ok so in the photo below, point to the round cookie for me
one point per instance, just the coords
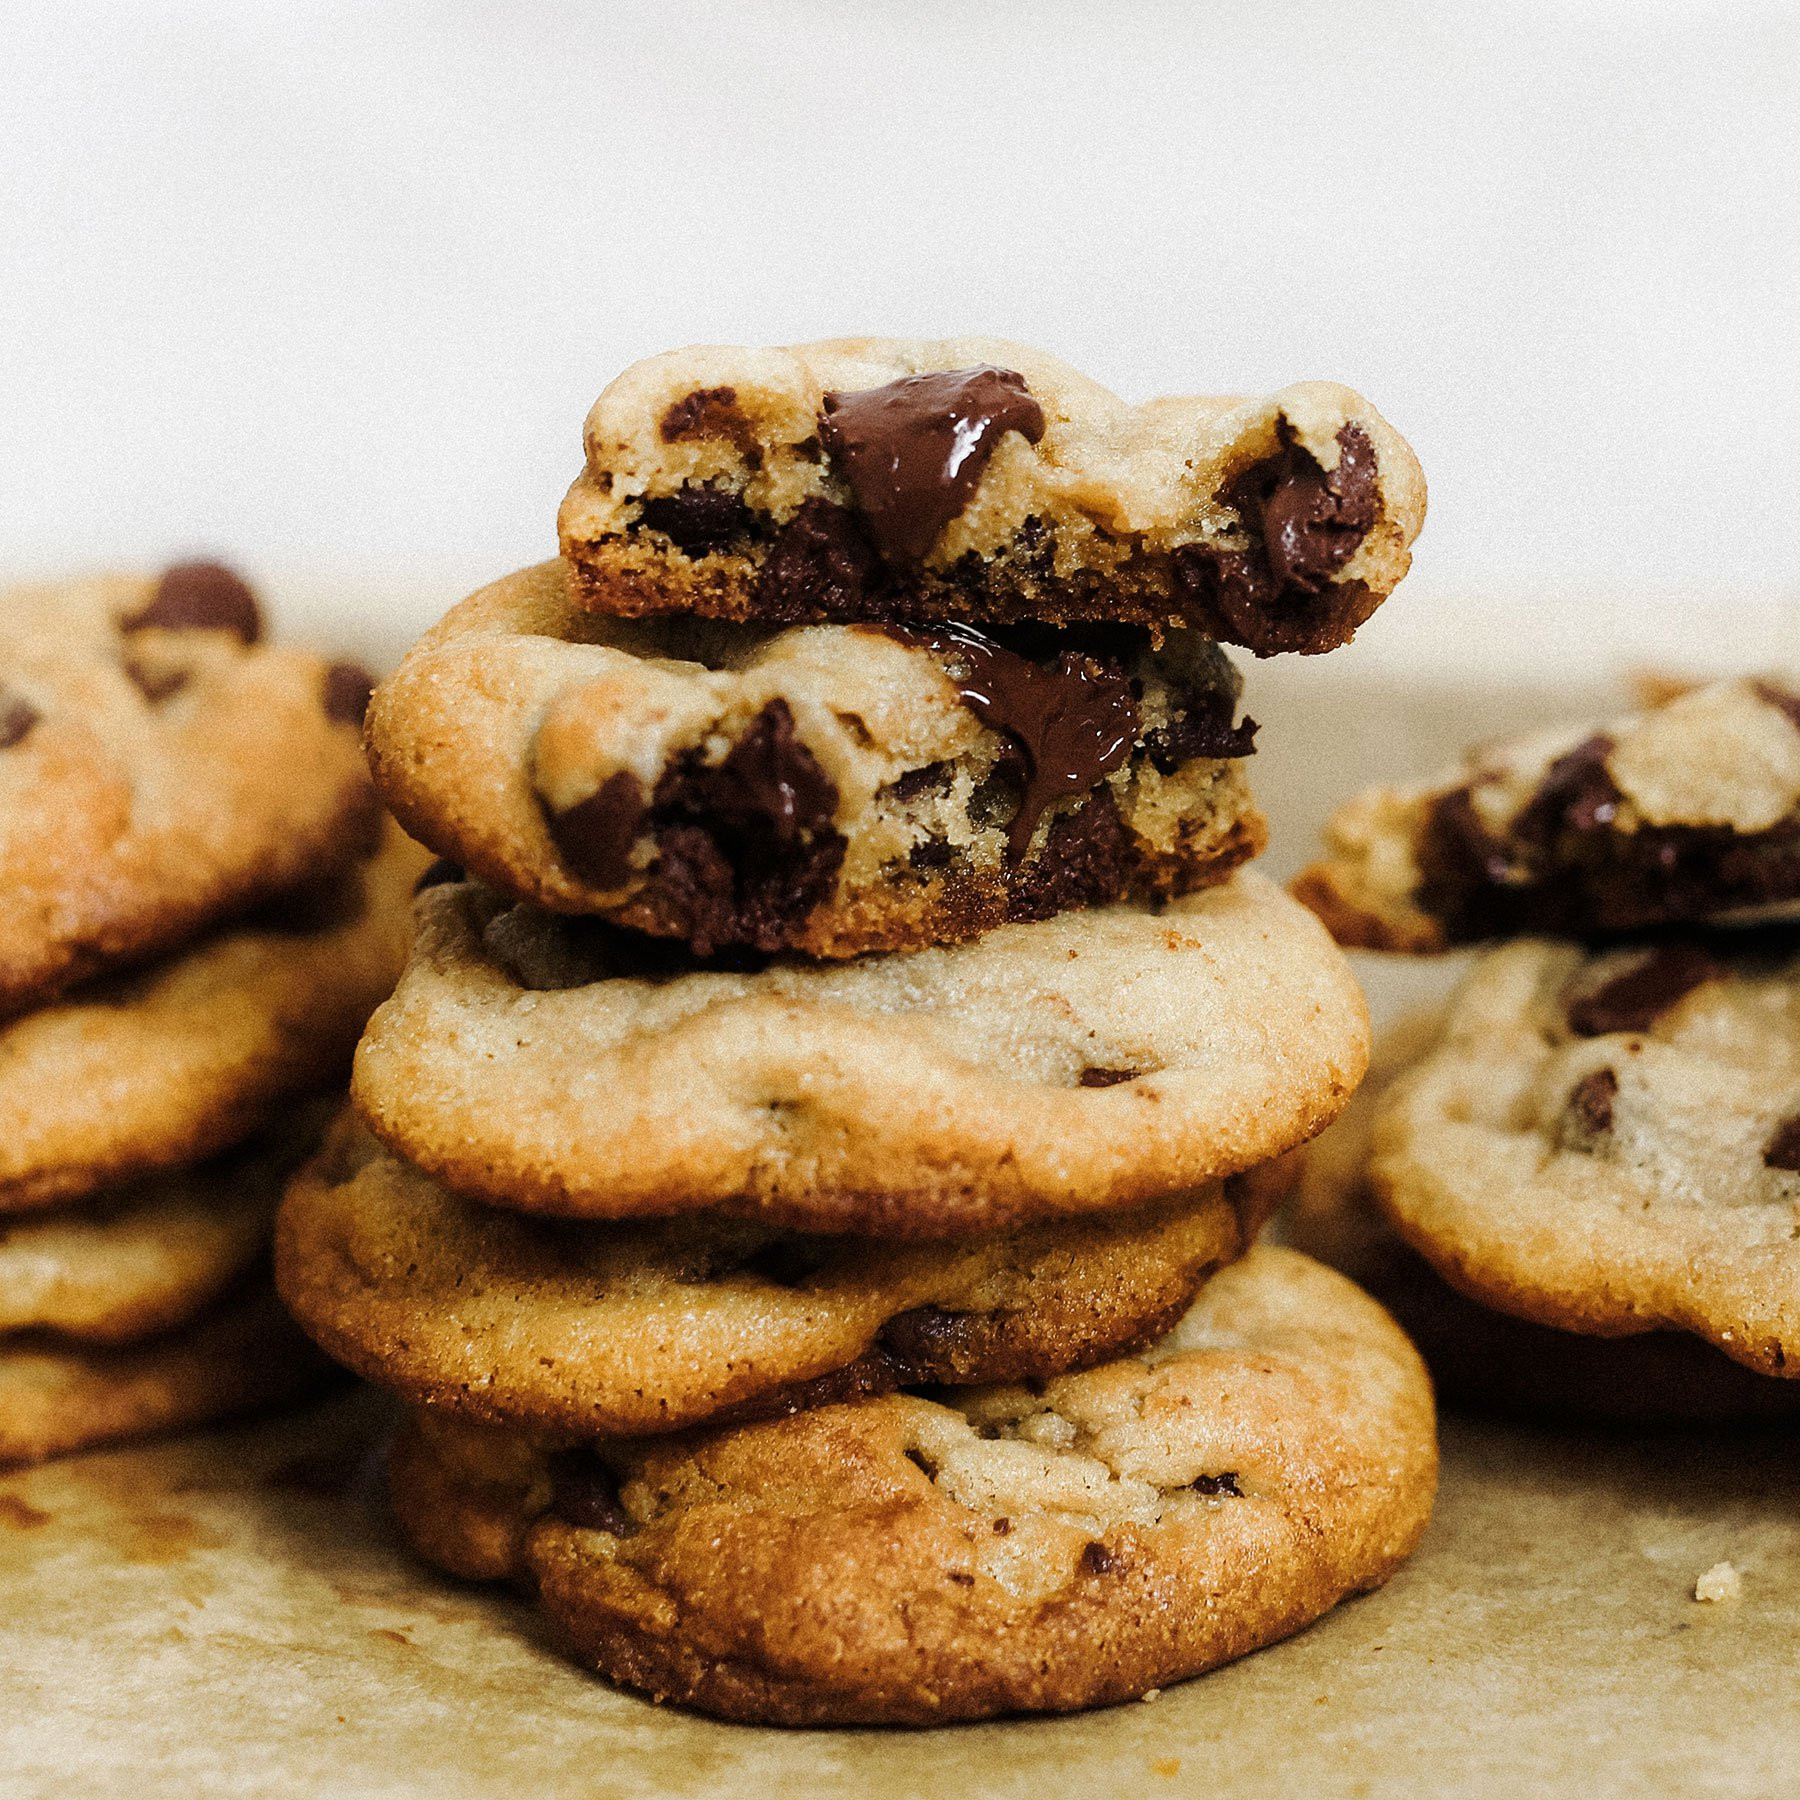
(998, 1550)
(879, 478)
(160, 769)
(246, 1354)
(1684, 814)
(613, 1330)
(144, 1258)
(1477, 1356)
(828, 789)
(1081, 1064)
(193, 1054)
(1610, 1143)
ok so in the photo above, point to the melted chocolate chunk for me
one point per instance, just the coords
(154, 683)
(821, 565)
(699, 518)
(1226, 1484)
(768, 781)
(927, 1343)
(1100, 1078)
(347, 690)
(1098, 1559)
(914, 451)
(1204, 729)
(595, 836)
(201, 596)
(1577, 793)
(1304, 523)
(1637, 998)
(1784, 1147)
(1591, 1101)
(1088, 860)
(438, 873)
(17, 716)
(1073, 722)
(705, 413)
(585, 1493)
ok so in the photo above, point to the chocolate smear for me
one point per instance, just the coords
(700, 518)
(595, 836)
(17, 716)
(914, 450)
(201, 596)
(585, 1493)
(1637, 998)
(347, 690)
(1073, 722)
(1591, 1100)
(1784, 1147)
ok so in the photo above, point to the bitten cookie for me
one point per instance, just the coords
(997, 1550)
(832, 789)
(1478, 1356)
(169, 1064)
(1080, 1064)
(1684, 814)
(870, 478)
(160, 769)
(617, 1330)
(1610, 1143)
(247, 1353)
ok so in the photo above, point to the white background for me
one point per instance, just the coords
(329, 290)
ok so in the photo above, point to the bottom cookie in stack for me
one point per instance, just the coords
(1567, 1186)
(150, 1122)
(920, 1558)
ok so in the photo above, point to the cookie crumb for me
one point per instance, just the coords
(1721, 1582)
(1150, 1694)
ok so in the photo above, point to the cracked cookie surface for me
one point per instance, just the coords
(972, 479)
(1079, 1064)
(828, 789)
(608, 1330)
(989, 1551)
(1610, 1143)
(160, 770)
(1688, 813)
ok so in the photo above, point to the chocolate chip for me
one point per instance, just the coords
(1204, 728)
(1778, 697)
(821, 565)
(1218, 1484)
(1002, 1526)
(1074, 721)
(156, 683)
(914, 450)
(768, 780)
(1591, 1100)
(347, 691)
(595, 836)
(201, 596)
(17, 716)
(706, 412)
(1784, 1147)
(1088, 859)
(1577, 793)
(1100, 1078)
(933, 853)
(1637, 998)
(933, 778)
(1098, 1559)
(699, 518)
(439, 873)
(585, 1493)
(961, 1577)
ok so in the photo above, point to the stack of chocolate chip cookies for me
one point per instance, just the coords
(199, 919)
(793, 1183)
(1579, 1184)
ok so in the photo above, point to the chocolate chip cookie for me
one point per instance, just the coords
(986, 1551)
(58, 1396)
(829, 789)
(609, 1330)
(981, 481)
(1687, 813)
(171, 1063)
(160, 769)
(1484, 1358)
(1076, 1065)
(1610, 1143)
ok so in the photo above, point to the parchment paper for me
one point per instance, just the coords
(230, 1613)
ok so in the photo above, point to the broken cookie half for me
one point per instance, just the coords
(981, 481)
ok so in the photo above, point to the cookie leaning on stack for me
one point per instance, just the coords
(839, 984)
(170, 789)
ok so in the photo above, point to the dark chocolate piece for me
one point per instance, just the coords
(699, 518)
(1226, 1484)
(1100, 1078)
(1577, 793)
(821, 565)
(1779, 698)
(1088, 860)
(1098, 1559)
(347, 690)
(594, 837)
(1635, 999)
(1073, 723)
(705, 413)
(1203, 729)
(155, 684)
(914, 450)
(585, 1493)
(1591, 1101)
(201, 596)
(1784, 1147)
(17, 716)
